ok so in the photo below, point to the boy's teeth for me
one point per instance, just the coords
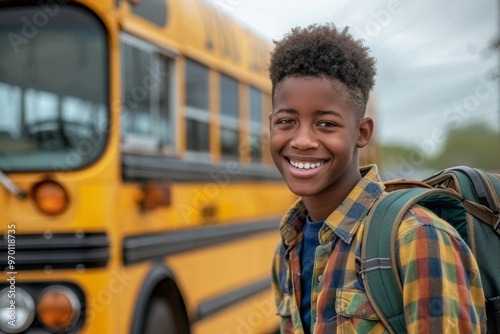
(305, 165)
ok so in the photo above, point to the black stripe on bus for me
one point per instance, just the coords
(221, 302)
(140, 167)
(55, 251)
(152, 246)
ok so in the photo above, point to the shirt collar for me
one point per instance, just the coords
(345, 220)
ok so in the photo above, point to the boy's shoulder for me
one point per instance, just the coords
(417, 216)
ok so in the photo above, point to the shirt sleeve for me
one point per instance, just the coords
(275, 274)
(442, 291)
(280, 293)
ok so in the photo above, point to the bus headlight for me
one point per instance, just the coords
(17, 310)
(58, 308)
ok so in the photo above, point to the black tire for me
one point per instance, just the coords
(160, 317)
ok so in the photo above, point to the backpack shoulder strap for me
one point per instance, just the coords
(479, 189)
(478, 179)
(378, 267)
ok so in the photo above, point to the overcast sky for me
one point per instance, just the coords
(434, 58)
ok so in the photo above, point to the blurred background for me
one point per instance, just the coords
(437, 90)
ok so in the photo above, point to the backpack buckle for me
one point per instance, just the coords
(496, 227)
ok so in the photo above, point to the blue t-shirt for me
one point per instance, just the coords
(307, 249)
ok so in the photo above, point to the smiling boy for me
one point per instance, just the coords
(321, 80)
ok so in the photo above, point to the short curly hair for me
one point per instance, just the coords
(323, 50)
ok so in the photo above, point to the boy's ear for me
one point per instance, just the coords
(365, 131)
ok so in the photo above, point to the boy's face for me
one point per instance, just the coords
(315, 136)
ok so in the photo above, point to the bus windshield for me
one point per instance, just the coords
(53, 88)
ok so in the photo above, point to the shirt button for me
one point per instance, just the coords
(320, 277)
(363, 311)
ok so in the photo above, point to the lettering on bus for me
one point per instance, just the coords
(201, 204)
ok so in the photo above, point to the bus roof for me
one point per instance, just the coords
(201, 31)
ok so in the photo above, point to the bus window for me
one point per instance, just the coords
(255, 140)
(197, 115)
(53, 91)
(166, 102)
(146, 98)
(137, 108)
(229, 120)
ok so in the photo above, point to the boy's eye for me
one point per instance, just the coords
(327, 124)
(285, 121)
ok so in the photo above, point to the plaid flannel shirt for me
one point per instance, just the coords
(442, 291)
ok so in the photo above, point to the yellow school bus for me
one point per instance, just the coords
(137, 194)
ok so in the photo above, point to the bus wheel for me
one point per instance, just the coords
(160, 318)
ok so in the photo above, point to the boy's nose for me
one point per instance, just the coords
(304, 139)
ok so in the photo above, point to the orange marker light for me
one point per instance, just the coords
(50, 197)
(58, 308)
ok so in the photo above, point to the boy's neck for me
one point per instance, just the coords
(320, 206)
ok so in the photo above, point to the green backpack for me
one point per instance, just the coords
(468, 199)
